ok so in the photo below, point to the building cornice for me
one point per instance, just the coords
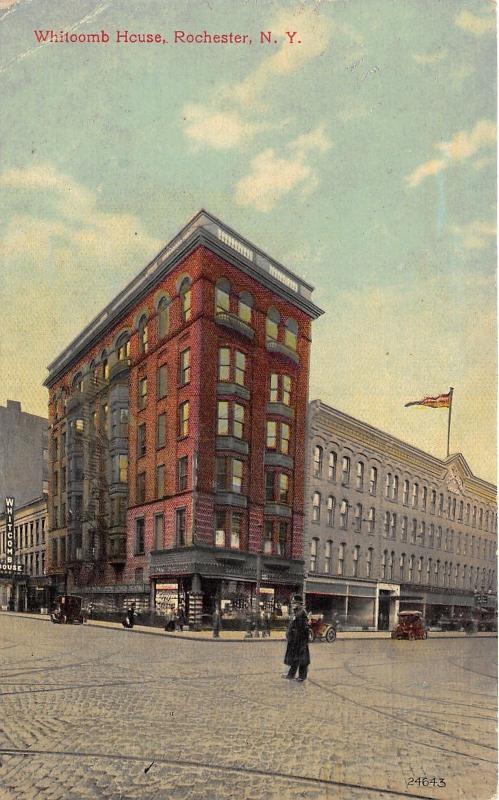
(202, 230)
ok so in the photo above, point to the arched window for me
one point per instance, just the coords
(415, 491)
(313, 554)
(291, 333)
(331, 468)
(272, 324)
(344, 514)
(345, 471)
(77, 382)
(395, 487)
(373, 480)
(163, 317)
(402, 566)
(328, 557)
(143, 334)
(123, 346)
(331, 508)
(316, 507)
(222, 296)
(104, 365)
(185, 300)
(405, 495)
(386, 524)
(359, 483)
(244, 307)
(355, 560)
(388, 480)
(318, 461)
(384, 562)
(371, 520)
(358, 517)
(369, 562)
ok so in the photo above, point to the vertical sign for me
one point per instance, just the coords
(10, 548)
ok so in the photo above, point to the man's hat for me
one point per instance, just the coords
(297, 598)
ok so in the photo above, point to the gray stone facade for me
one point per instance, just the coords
(390, 527)
(23, 454)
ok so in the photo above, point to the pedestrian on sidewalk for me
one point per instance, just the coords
(297, 656)
(266, 622)
(129, 620)
(216, 622)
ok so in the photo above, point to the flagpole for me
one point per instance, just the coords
(451, 392)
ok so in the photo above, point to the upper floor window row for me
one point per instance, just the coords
(228, 303)
(273, 329)
(280, 388)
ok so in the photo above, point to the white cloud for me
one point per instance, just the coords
(462, 146)
(221, 130)
(476, 235)
(457, 349)
(59, 264)
(478, 25)
(313, 36)
(430, 58)
(273, 176)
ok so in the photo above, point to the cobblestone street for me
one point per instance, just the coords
(92, 712)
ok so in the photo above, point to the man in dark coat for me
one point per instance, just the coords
(297, 656)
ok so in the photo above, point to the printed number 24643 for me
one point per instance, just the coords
(440, 782)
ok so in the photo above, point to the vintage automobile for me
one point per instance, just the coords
(410, 626)
(320, 631)
(68, 610)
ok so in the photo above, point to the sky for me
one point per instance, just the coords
(361, 155)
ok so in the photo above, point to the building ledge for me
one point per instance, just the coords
(278, 460)
(233, 389)
(232, 443)
(280, 409)
(280, 349)
(277, 510)
(231, 499)
(232, 321)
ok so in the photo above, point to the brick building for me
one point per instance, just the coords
(30, 591)
(178, 431)
(391, 527)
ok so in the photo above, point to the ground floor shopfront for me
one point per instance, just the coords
(198, 580)
(353, 604)
(437, 604)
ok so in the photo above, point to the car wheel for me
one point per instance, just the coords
(330, 635)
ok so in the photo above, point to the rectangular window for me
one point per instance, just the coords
(159, 526)
(139, 536)
(236, 524)
(161, 381)
(269, 487)
(345, 471)
(240, 369)
(124, 422)
(327, 556)
(271, 435)
(284, 438)
(141, 440)
(221, 474)
(123, 468)
(223, 364)
(141, 487)
(274, 388)
(220, 529)
(142, 393)
(180, 527)
(286, 390)
(267, 536)
(182, 465)
(222, 418)
(237, 475)
(371, 520)
(238, 421)
(183, 419)
(161, 431)
(185, 366)
(160, 481)
(283, 488)
(282, 541)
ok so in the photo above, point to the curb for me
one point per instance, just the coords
(372, 636)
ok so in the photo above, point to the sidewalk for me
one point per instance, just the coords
(239, 636)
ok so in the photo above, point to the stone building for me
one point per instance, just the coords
(23, 454)
(178, 432)
(29, 591)
(390, 527)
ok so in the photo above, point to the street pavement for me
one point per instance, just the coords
(97, 712)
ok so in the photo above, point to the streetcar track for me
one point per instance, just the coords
(405, 721)
(189, 764)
